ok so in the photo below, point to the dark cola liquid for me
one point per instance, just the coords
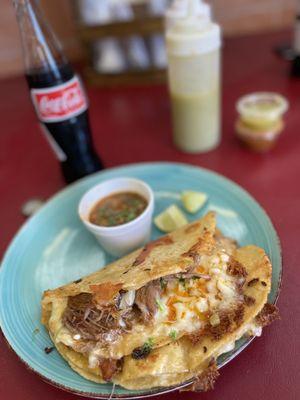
(72, 136)
(295, 71)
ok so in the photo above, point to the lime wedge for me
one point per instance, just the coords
(170, 219)
(193, 201)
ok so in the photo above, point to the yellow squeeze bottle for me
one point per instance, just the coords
(193, 48)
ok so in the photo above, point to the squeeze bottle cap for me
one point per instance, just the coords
(193, 34)
(179, 9)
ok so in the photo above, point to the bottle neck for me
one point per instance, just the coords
(41, 48)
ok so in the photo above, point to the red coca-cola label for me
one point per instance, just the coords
(60, 102)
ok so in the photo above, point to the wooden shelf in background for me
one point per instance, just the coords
(135, 77)
(141, 26)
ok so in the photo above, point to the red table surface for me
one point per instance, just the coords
(133, 125)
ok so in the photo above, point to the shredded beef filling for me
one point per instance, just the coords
(94, 323)
(146, 299)
(84, 318)
(105, 323)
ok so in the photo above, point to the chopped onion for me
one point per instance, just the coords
(214, 320)
(77, 337)
(127, 299)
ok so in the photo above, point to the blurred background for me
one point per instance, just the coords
(237, 17)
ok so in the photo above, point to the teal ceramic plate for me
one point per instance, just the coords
(53, 248)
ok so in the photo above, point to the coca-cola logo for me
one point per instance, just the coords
(59, 103)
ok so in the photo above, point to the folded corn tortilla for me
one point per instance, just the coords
(163, 314)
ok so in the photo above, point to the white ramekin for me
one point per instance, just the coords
(119, 240)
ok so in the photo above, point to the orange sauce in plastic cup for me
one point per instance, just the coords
(260, 120)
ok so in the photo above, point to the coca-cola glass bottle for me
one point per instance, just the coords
(57, 94)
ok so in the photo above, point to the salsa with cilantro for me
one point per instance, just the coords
(117, 209)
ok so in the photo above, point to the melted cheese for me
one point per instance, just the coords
(64, 336)
(185, 304)
(250, 329)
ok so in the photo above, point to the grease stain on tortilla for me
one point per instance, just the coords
(164, 240)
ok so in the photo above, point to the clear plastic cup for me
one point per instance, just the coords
(260, 119)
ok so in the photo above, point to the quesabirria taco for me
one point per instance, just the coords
(163, 314)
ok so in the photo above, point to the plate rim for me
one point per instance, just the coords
(61, 193)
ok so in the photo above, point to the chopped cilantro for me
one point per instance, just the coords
(173, 334)
(148, 346)
(143, 351)
(163, 283)
(182, 282)
(160, 305)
